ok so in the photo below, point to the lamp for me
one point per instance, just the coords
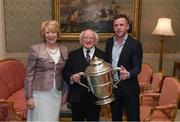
(163, 28)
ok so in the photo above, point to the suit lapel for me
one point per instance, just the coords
(111, 47)
(46, 54)
(81, 59)
(95, 53)
(124, 51)
(80, 56)
(63, 55)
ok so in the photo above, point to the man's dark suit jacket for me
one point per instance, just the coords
(131, 59)
(77, 63)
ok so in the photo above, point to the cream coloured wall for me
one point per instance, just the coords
(151, 11)
(1, 30)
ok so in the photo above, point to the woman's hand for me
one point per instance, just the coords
(64, 99)
(30, 103)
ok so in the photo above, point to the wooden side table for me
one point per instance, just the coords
(176, 66)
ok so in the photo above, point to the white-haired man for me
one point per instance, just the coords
(82, 101)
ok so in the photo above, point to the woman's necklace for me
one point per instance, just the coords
(53, 50)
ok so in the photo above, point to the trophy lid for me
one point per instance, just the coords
(97, 67)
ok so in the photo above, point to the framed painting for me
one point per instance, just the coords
(77, 15)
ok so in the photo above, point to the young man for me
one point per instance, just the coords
(125, 52)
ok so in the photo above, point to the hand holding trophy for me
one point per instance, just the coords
(100, 81)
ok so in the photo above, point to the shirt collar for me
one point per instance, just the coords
(124, 40)
(91, 50)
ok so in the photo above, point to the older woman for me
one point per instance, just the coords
(44, 82)
(82, 101)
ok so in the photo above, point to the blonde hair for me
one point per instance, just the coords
(51, 26)
(94, 34)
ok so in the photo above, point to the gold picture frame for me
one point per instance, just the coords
(77, 15)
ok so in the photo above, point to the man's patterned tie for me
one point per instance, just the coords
(88, 58)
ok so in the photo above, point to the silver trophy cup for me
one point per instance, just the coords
(100, 81)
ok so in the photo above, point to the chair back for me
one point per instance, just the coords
(156, 82)
(144, 77)
(170, 91)
(170, 94)
(165, 109)
(155, 87)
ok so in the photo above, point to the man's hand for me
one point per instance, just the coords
(124, 74)
(76, 77)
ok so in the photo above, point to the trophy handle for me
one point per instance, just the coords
(82, 74)
(116, 82)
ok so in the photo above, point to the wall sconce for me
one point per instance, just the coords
(163, 28)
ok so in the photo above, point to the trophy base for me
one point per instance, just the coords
(105, 100)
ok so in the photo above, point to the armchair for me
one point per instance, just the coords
(7, 111)
(154, 87)
(12, 99)
(144, 77)
(167, 104)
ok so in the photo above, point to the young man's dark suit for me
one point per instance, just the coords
(128, 90)
(79, 95)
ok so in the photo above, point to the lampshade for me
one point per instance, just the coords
(163, 27)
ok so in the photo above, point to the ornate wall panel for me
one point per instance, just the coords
(168, 62)
(22, 23)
